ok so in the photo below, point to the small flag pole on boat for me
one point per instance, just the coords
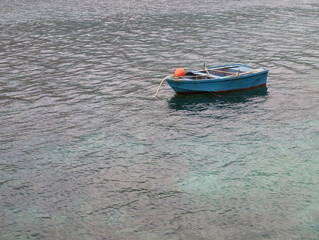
(206, 70)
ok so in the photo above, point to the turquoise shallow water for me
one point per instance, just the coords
(87, 152)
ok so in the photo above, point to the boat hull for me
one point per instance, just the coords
(223, 84)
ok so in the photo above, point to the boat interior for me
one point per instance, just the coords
(219, 72)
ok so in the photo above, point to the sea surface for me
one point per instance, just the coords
(87, 151)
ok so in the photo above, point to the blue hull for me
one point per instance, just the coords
(238, 78)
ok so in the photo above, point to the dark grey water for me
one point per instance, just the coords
(87, 152)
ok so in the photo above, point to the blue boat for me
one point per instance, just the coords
(223, 78)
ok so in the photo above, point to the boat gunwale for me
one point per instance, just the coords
(219, 79)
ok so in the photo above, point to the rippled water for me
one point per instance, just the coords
(87, 152)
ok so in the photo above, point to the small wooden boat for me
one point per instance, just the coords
(224, 78)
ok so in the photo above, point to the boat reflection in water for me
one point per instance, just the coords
(203, 101)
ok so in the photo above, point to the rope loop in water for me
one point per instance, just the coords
(162, 83)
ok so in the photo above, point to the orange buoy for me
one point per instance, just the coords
(179, 72)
